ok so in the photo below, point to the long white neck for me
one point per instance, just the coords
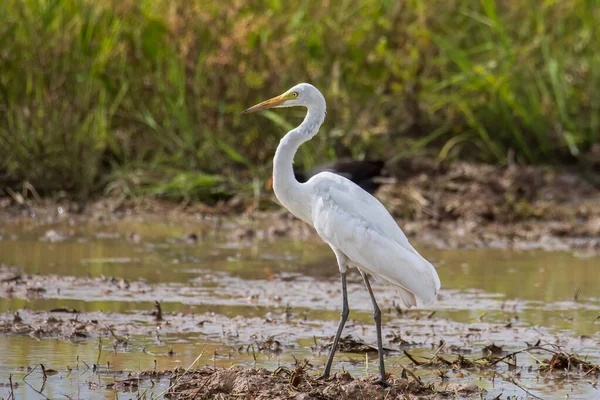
(291, 193)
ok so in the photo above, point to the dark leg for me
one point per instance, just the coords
(377, 317)
(345, 312)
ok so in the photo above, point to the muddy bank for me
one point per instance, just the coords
(479, 205)
(299, 382)
(296, 384)
(455, 205)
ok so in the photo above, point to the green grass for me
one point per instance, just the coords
(143, 97)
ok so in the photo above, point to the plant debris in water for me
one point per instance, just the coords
(51, 326)
(560, 360)
(349, 344)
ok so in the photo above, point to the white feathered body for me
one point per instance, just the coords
(353, 222)
(356, 224)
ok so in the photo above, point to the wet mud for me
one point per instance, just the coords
(456, 205)
(236, 311)
(258, 289)
(298, 383)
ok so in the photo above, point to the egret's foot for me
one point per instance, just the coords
(382, 383)
(322, 377)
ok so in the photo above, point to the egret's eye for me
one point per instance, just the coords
(294, 94)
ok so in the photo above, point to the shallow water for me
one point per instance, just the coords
(224, 293)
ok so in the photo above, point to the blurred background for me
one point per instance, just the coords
(143, 97)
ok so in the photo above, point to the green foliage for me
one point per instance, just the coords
(96, 94)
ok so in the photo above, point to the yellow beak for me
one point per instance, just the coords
(274, 102)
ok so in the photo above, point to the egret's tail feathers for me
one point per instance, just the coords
(436, 278)
(430, 285)
(433, 277)
(407, 298)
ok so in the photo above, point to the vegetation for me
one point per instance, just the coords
(144, 97)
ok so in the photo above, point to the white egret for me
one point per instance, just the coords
(356, 226)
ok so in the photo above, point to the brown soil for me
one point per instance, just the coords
(456, 205)
(473, 204)
(283, 383)
(258, 383)
(57, 325)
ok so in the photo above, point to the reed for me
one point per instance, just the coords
(142, 97)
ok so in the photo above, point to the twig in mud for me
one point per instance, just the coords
(99, 350)
(281, 369)
(37, 391)
(12, 392)
(411, 358)
(118, 339)
(595, 368)
(143, 394)
(514, 353)
(159, 316)
(534, 357)
(442, 345)
(460, 362)
(199, 388)
(412, 374)
(514, 382)
(182, 375)
(317, 348)
(158, 311)
(146, 351)
(29, 373)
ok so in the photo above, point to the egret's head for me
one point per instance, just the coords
(303, 94)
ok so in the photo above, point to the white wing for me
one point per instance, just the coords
(356, 223)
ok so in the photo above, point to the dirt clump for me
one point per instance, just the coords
(283, 384)
(483, 205)
(48, 325)
(569, 362)
(349, 344)
(16, 284)
(482, 192)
